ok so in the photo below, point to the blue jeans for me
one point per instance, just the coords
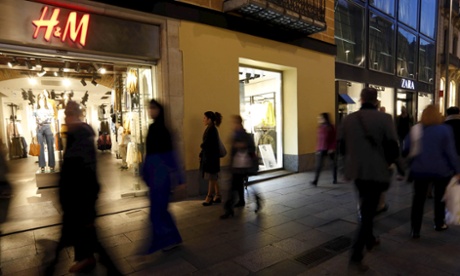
(44, 133)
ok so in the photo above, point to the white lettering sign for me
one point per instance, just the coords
(407, 84)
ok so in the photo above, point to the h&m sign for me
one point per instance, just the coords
(407, 84)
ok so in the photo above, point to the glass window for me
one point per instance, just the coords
(424, 99)
(381, 44)
(426, 61)
(452, 94)
(406, 12)
(349, 33)
(387, 6)
(428, 13)
(407, 45)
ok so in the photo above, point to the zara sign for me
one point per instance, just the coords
(407, 84)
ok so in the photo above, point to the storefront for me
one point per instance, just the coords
(106, 62)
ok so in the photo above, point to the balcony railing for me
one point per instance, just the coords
(307, 16)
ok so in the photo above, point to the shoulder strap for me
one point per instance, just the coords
(369, 137)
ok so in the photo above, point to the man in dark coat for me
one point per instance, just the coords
(78, 192)
(364, 134)
(453, 119)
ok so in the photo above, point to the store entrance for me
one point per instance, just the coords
(34, 91)
(260, 108)
(406, 99)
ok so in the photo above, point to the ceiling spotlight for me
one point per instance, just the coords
(38, 63)
(99, 69)
(13, 63)
(29, 65)
(93, 81)
(66, 65)
(78, 68)
(83, 82)
(59, 73)
(32, 81)
(66, 82)
(41, 73)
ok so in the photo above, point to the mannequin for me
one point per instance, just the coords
(14, 130)
(44, 118)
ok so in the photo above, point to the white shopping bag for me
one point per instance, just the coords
(452, 199)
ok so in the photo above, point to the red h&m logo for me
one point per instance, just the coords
(74, 29)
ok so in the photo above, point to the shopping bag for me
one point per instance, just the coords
(222, 149)
(34, 148)
(452, 200)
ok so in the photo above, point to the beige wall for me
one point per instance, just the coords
(211, 57)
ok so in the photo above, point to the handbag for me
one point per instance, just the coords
(452, 199)
(34, 148)
(222, 149)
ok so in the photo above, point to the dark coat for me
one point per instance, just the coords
(454, 122)
(210, 156)
(363, 160)
(78, 184)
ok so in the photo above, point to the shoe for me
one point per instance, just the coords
(441, 227)
(374, 243)
(314, 182)
(415, 234)
(227, 214)
(334, 181)
(85, 265)
(52, 169)
(384, 209)
(171, 247)
(240, 204)
(357, 266)
(42, 169)
(208, 201)
(217, 199)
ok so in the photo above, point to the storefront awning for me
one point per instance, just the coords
(344, 98)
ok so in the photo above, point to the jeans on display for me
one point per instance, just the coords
(45, 134)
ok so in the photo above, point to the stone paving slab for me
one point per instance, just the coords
(264, 243)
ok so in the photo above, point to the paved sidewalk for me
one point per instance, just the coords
(297, 217)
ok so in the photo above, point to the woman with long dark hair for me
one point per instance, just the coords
(210, 156)
(325, 147)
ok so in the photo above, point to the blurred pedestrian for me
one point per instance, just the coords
(404, 122)
(430, 141)
(5, 186)
(210, 156)
(367, 134)
(78, 193)
(453, 120)
(162, 173)
(325, 146)
(243, 162)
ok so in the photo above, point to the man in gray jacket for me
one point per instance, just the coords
(364, 134)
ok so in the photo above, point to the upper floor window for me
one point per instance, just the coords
(387, 6)
(428, 17)
(349, 32)
(381, 44)
(406, 12)
(407, 54)
(426, 66)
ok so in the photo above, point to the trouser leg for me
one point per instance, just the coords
(418, 202)
(439, 205)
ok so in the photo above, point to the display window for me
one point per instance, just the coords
(424, 99)
(260, 108)
(112, 96)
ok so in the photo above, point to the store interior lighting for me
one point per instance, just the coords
(66, 66)
(93, 81)
(83, 82)
(41, 73)
(99, 69)
(13, 63)
(29, 65)
(78, 68)
(38, 63)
